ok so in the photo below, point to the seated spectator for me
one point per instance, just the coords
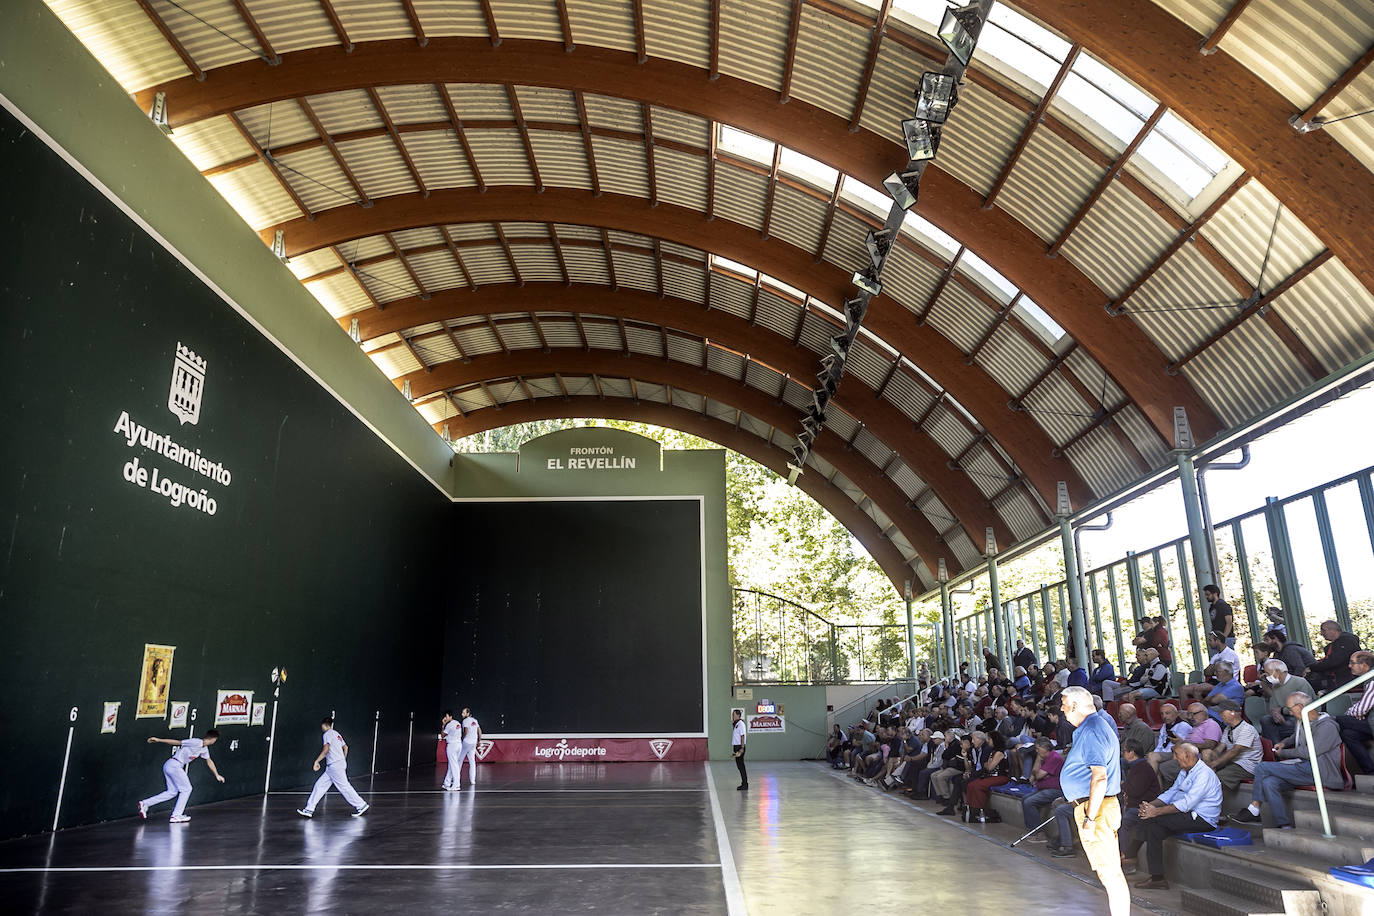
(935, 762)
(1103, 679)
(955, 764)
(1156, 684)
(1174, 730)
(1154, 634)
(1022, 683)
(1061, 673)
(1191, 805)
(1139, 783)
(874, 758)
(1227, 688)
(1281, 685)
(1221, 652)
(1045, 777)
(1294, 768)
(1329, 671)
(864, 743)
(1205, 736)
(1357, 725)
(915, 754)
(1235, 759)
(988, 768)
(835, 746)
(1078, 676)
(1293, 654)
(1134, 728)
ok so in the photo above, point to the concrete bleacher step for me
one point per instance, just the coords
(1266, 891)
(1214, 903)
(1345, 822)
(1337, 850)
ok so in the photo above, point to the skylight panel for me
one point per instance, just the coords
(734, 267)
(1106, 99)
(811, 171)
(991, 279)
(783, 287)
(1029, 31)
(870, 199)
(1039, 320)
(925, 12)
(933, 236)
(745, 145)
(1185, 161)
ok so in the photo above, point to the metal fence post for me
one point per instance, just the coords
(1187, 585)
(1247, 589)
(1333, 562)
(1117, 624)
(1285, 571)
(1049, 621)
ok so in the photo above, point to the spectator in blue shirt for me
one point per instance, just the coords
(1091, 780)
(1191, 805)
(1227, 688)
(1103, 673)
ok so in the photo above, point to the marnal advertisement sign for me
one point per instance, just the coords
(233, 707)
(765, 722)
(585, 750)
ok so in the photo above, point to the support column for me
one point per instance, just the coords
(1004, 649)
(1192, 505)
(947, 621)
(1075, 585)
(910, 634)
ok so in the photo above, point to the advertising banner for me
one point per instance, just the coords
(259, 714)
(765, 722)
(181, 712)
(153, 681)
(109, 719)
(233, 707)
(585, 750)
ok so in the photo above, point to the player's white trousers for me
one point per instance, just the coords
(469, 751)
(335, 775)
(178, 787)
(454, 759)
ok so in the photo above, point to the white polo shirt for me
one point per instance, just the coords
(470, 736)
(737, 736)
(451, 731)
(189, 750)
(335, 742)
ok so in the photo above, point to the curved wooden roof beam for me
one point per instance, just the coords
(830, 497)
(884, 492)
(1025, 441)
(912, 444)
(1311, 174)
(1068, 295)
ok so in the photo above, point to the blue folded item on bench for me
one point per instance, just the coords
(1226, 836)
(1017, 789)
(1355, 874)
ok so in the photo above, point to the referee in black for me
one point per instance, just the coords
(737, 746)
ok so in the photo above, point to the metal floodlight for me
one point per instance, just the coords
(819, 399)
(936, 97)
(922, 139)
(854, 311)
(159, 113)
(903, 186)
(839, 345)
(806, 436)
(816, 415)
(959, 30)
(868, 282)
(354, 332)
(878, 244)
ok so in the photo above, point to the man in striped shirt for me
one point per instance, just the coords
(1357, 725)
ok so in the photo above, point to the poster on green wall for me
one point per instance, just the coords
(154, 681)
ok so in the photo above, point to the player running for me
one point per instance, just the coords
(178, 782)
(335, 755)
(472, 732)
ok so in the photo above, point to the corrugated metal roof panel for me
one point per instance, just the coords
(1088, 371)
(315, 176)
(1099, 458)
(979, 138)
(378, 166)
(865, 365)
(636, 271)
(519, 335)
(471, 231)
(1186, 281)
(277, 124)
(724, 362)
(1200, 15)
(1118, 239)
(797, 218)
(764, 379)
(451, 17)
(829, 62)
(909, 278)
(437, 270)
(906, 478)
(536, 263)
(797, 396)
(643, 340)
(671, 124)
(1011, 359)
(541, 103)
(684, 281)
(439, 159)
(960, 316)
(602, 22)
(774, 311)
(395, 362)
(339, 294)
(1146, 440)
(1246, 372)
(294, 25)
(480, 102)
(256, 195)
(964, 551)
(892, 91)
(985, 470)
(601, 335)
(632, 239)
(1058, 409)
(536, 19)
(688, 400)
(753, 424)
(123, 39)
(586, 265)
(314, 262)
(488, 264)
(908, 395)
(753, 39)
(416, 104)
(1020, 512)
(220, 36)
(211, 142)
(621, 167)
(1332, 313)
(613, 113)
(678, 30)
(681, 178)
(740, 196)
(351, 109)
(387, 281)
(1051, 181)
(1356, 134)
(950, 432)
(1242, 229)
(1333, 34)
(720, 411)
(562, 159)
(731, 295)
(500, 157)
(844, 246)
(560, 332)
(870, 446)
(369, 247)
(373, 20)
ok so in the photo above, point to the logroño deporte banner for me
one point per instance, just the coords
(584, 750)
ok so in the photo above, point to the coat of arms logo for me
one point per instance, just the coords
(188, 384)
(483, 748)
(660, 746)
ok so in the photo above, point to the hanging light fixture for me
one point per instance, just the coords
(903, 186)
(867, 280)
(878, 244)
(922, 139)
(959, 29)
(936, 97)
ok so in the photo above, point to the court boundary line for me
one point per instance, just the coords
(74, 869)
(734, 890)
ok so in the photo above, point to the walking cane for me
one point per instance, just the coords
(1035, 830)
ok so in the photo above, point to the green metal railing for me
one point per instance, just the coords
(778, 641)
(1258, 568)
(1312, 750)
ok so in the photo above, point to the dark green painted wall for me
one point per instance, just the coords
(321, 555)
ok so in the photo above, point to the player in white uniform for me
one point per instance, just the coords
(452, 743)
(178, 782)
(472, 732)
(335, 755)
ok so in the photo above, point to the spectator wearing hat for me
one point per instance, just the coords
(1239, 753)
(919, 785)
